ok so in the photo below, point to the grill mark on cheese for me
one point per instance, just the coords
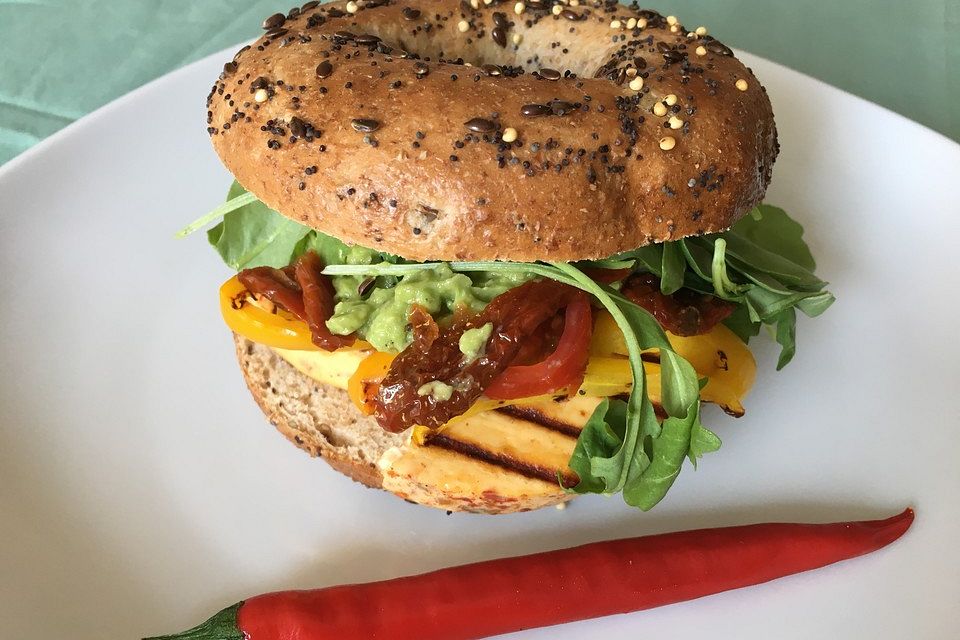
(502, 460)
(530, 414)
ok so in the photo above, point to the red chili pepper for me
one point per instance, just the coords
(500, 596)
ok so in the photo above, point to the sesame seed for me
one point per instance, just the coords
(488, 2)
(701, 31)
(670, 99)
(675, 28)
(463, 26)
(517, 39)
(659, 109)
(701, 51)
(637, 83)
(261, 95)
(475, 4)
(742, 84)
(675, 122)
(510, 134)
(519, 8)
(672, 20)
(631, 23)
(352, 7)
(641, 23)
(667, 143)
(615, 24)
(557, 9)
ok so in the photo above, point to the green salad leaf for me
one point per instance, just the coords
(762, 264)
(771, 228)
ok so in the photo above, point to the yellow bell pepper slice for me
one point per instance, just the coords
(718, 355)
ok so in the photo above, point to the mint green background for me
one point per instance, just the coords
(60, 60)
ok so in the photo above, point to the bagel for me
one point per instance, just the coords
(387, 152)
(438, 130)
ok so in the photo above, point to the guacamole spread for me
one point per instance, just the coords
(380, 315)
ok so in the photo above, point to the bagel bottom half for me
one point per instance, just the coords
(323, 421)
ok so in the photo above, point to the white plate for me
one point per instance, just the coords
(141, 489)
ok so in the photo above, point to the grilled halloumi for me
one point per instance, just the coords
(515, 456)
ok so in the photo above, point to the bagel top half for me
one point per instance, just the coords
(383, 123)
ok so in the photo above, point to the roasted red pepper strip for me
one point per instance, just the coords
(564, 368)
(402, 400)
(304, 291)
(501, 596)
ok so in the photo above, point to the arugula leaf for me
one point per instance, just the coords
(602, 435)
(231, 204)
(814, 305)
(786, 323)
(698, 259)
(765, 284)
(702, 442)
(763, 260)
(250, 234)
(771, 228)
(741, 324)
(673, 267)
(649, 257)
(608, 263)
(669, 449)
(254, 235)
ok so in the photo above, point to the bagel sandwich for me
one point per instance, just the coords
(493, 255)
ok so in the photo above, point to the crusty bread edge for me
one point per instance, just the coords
(358, 470)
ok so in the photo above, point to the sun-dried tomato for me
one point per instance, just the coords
(423, 327)
(684, 313)
(404, 399)
(279, 286)
(318, 302)
(304, 291)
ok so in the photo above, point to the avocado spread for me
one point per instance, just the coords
(473, 342)
(437, 390)
(380, 314)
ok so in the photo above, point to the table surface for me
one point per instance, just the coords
(62, 59)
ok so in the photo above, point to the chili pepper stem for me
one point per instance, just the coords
(220, 626)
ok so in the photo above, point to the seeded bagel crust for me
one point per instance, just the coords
(603, 172)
